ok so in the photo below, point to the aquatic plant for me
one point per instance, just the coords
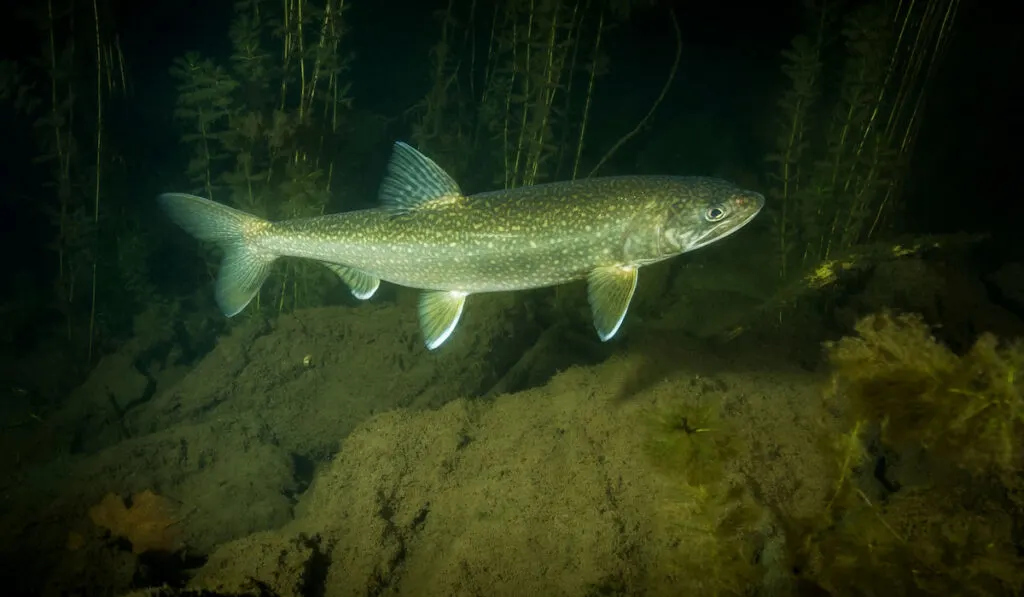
(263, 125)
(444, 127)
(513, 87)
(967, 410)
(712, 514)
(67, 89)
(802, 65)
(843, 149)
(498, 75)
(689, 438)
(205, 97)
(950, 524)
(533, 48)
(205, 100)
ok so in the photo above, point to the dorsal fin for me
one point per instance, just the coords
(414, 181)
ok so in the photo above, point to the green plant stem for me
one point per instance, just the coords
(98, 173)
(657, 101)
(518, 180)
(590, 94)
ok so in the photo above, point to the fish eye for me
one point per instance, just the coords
(714, 214)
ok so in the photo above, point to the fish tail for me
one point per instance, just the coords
(245, 265)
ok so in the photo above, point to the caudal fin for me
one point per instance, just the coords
(244, 267)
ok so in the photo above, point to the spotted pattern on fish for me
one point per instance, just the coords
(428, 235)
(513, 239)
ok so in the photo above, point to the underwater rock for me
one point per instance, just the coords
(93, 416)
(551, 490)
(275, 565)
(117, 379)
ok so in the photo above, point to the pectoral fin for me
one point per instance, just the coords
(610, 289)
(362, 284)
(440, 311)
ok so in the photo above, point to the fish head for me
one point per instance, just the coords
(706, 210)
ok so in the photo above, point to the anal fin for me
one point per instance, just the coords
(610, 289)
(362, 284)
(440, 311)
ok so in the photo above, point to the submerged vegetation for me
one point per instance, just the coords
(692, 440)
(262, 125)
(928, 491)
(513, 87)
(967, 410)
(845, 141)
(69, 88)
(692, 445)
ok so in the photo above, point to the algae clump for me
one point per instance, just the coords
(691, 440)
(965, 409)
(928, 492)
(716, 524)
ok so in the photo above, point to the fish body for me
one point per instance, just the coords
(426, 234)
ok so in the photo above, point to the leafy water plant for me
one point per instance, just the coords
(68, 89)
(513, 86)
(710, 513)
(205, 99)
(263, 125)
(951, 522)
(689, 438)
(967, 410)
(843, 147)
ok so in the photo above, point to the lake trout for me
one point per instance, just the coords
(427, 234)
